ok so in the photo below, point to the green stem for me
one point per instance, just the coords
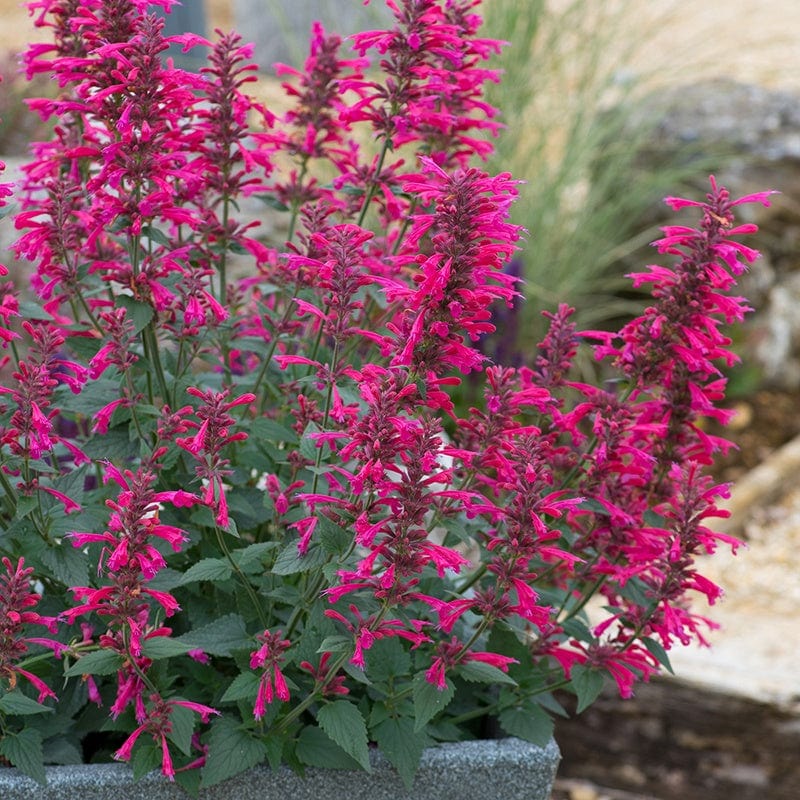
(151, 352)
(242, 578)
(319, 687)
(370, 191)
(9, 495)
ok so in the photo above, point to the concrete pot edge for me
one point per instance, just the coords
(504, 769)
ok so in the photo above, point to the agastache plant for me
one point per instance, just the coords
(240, 487)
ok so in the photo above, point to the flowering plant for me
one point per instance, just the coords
(243, 517)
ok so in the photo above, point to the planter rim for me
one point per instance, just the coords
(503, 769)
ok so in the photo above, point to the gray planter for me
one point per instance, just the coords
(506, 769)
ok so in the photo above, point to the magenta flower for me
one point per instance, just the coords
(17, 601)
(369, 630)
(451, 654)
(158, 725)
(272, 683)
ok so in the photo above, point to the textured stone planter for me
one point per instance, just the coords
(507, 769)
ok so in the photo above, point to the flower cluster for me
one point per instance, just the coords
(238, 470)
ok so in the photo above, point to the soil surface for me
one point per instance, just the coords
(675, 742)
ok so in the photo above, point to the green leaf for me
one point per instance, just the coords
(218, 638)
(140, 313)
(533, 724)
(578, 629)
(272, 201)
(587, 684)
(115, 445)
(242, 687)
(66, 563)
(146, 757)
(274, 744)
(62, 751)
(387, 659)
(308, 445)
(658, 652)
(289, 560)
(33, 311)
(182, 720)
(264, 429)
(208, 569)
(402, 745)
(231, 750)
(163, 647)
(343, 724)
(316, 749)
(479, 672)
(429, 700)
(158, 236)
(99, 662)
(253, 555)
(24, 751)
(336, 644)
(17, 703)
(333, 538)
(25, 505)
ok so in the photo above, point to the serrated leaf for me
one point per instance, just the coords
(231, 750)
(334, 539)
(66, 563)
(387, 659)
(17, 703)
(163, 647)
(274, 744)
(242, 687)
(532, 724)
(208, 569)
(316, 749)
(146, 757)
(402, 745)
(342, 722)
(24, 751)
(429, 700)
(252, 555)
(587, 684)
(25, 505)
(139, 313)
(99, 662)
(290, 562)
(479, 672)
(218, 638)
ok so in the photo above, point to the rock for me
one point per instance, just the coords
(280, 29)
(750, 120)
